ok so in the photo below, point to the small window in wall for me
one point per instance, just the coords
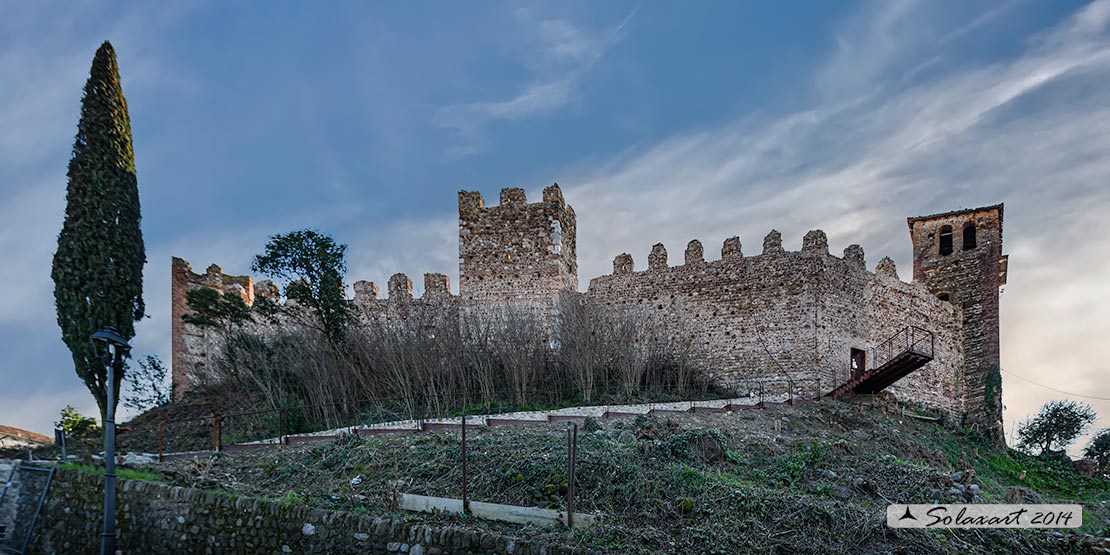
(945, 237)
(969, 237)
(944, 296)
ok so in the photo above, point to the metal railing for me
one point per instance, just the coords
(910, 339)
(32, 494)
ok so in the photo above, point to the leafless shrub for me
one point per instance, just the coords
(429, 362)
(606, 349)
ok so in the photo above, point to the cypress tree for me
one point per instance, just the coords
(98, 267)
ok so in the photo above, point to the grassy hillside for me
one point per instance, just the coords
(809, 479)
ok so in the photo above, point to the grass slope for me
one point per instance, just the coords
(809, 479)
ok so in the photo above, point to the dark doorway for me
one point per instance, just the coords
(859, 362)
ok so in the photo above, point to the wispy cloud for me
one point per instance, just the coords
(1025, 131)
(562, 55)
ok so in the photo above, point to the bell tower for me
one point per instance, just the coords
(958, 256)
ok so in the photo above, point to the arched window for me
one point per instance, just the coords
(944, 296)
(945, 236)
(969, 236)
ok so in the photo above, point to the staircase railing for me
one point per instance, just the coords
(911, 338)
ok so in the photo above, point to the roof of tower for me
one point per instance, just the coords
(910, 221)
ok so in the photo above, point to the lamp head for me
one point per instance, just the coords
(106, 340)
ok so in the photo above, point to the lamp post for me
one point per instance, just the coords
(110, 347)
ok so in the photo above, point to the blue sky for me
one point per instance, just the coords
(661, 121)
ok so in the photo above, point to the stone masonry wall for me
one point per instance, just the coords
(969, 276)
(192, 345)
(7, 508)
(776, 315)
(435, 309)
(515, 254)
(156, 518)
(795, 314)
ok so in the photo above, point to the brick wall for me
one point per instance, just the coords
(191, 344)
(969, 275)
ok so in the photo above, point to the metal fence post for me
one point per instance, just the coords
(282, 440)
(161, 438)
(572, 448)
(465, 496)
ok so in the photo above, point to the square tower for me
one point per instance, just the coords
(958, 256)
(515, 255)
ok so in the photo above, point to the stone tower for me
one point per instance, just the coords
(515, 254)
(958, 256)
(191, 344)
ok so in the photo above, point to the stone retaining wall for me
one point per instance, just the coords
(156, 518)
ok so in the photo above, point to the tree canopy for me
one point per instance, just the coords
(98, 267)
(1099, 450)
(312, 265)
(1055, 427)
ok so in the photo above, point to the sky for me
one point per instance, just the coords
(662, 122)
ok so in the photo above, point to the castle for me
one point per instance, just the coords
(807, 315)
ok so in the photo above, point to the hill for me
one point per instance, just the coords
(814, 478)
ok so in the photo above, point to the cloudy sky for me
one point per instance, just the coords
(661, 121)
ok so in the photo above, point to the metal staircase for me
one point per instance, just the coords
(904, 352)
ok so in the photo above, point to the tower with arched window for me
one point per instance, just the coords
(958, 256)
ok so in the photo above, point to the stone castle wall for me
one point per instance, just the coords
(515, 254)
(435, 309)
(792, 314)
(192, 345)
(156, 518)
(777, 315)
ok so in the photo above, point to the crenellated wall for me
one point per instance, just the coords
(436, 308)
(796, 314)
(780, 313)
(194, 345)
(515, 254)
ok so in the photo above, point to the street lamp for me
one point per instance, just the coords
(110, 347)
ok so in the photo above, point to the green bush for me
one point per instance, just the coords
(75, 424)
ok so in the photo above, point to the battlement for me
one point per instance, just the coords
(190, 344)
(781, 311)
(214, 278)
(814, 242)
(747, 317)
(516, 253)
(514, 198)
(399, 289)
